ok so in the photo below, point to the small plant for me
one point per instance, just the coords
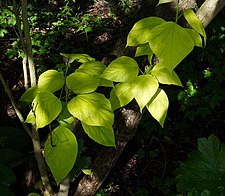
(204, 170)
(12, 141)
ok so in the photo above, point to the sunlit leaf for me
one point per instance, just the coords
(101, 135)
(143, 49)
(115, 102)
(87, 172)
(158, 106)
(51, 80)
(81, 83)
(204, 169)
(140, 31)
(61, 150)
(144, 88)
(164, 76)
(30, 117)
(124, 93)
(46, 108)
(122, 69)
(94, 68)
(171, 44)
(82, 58)
(164, 1)
(65, 118)
(92, 109)
(195, 36)
(195, 23)
(30, 94)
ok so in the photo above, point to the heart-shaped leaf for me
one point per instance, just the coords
(101, 135)
(46, 107)
(143, 49)
(61, 150)
(30, 94)
(92, 109)
(124, 93)
(171, 44)
(81, 83)
(122, 69)
(140, 31)
(158, 106)
(144, 88)
(51, 80)
(164, 76)
(94, 68)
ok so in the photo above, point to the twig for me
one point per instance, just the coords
(20, 116)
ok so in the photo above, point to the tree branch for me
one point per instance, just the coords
(209, 9)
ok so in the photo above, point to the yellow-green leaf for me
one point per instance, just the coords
(140, 31)
(158, 106)
(51, 80)
(171, 44)
(101, 135)
(46, 107)
(195, 23)
(144, 88)
(61, 150)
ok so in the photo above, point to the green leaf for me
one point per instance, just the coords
(124, 93)
(195, 36)
(65, 118)
(115, 102)
(7, 176)
(143, 89)
(15, 138)
(204, 169)
(60, 152)
(51, 80)
(158, 106)
(81, 83)
(46, 108)
(81, 58)
(87, 172)
(122, 69)
(30, 94)
(30, 117)
(101, 135)
(195, 23)
(171, 44)
(93, 68)
(9, 157)
(140, 31)
(92, 109)
(143, 49)
(5, 191)
(164, 1)
(164, 76)
(33, 194)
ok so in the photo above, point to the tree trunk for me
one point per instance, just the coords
(129, 117)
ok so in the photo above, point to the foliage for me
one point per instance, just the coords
(203, 91)
(78, 97)
(204, 169)
(12, 141)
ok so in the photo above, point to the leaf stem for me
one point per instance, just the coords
(177, 11)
